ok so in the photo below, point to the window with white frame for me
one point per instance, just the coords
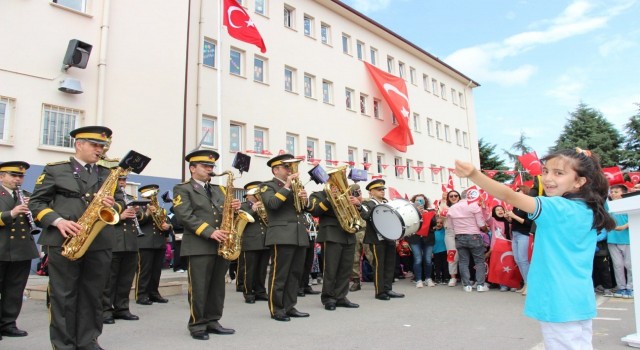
(235, 137)
(425, 82)
(373, 56)
(289, 79)
(260, 69)
(260, 139)
(376, 108)
(363, 103)
(308, 26)
(397, 161)
(439, 130)
(209, 53)
(352, 155)
(366, 156)
(379, 162)
(208, 131)
(454, 96)
(390, 64)
(348, 98)
(433, 175)
(443, 91)
(236, 57)
(360, 50)
(77, 5)
(402, 70)
(419, 175)
(292, 143)
(325, 33)
(441, 174)
(329, 152)
(7, 106)
(261, 7)
(57, 122)
(465, 139)
(412, 75)
(327, 91)
(434, 86)
(346, 44)
(416, 122)
(309, 85)
(394, 121)
(458, 137)
(409, 169)
(461, 99)
(429, 126)
(289, 16)
(447, 133)
(312, 145)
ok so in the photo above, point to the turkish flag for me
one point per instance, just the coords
(394, 91)
(517, 181)
(491, 173)
(444, 189)
(531, 162)
(473, 194)
(502, 266)
(614, 175)
(634, 176)
(450, 183)
(394, 194)
(240, 26)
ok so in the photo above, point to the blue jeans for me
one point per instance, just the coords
(520, 247)
(470, 246)
(421, 252)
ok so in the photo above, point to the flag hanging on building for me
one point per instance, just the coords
(394, 91)
(240, 26)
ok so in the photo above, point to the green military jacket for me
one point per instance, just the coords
(154, 237)
(285, 225)
(16, 241)
(370, 234)
(124, 234)
(329, 229)
(254, 233)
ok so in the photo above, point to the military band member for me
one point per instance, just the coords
(151, 250)
(287, 238)
(361, 251)
(338, 249)
(61, 196)
(17, 247)
(384, 250)
(305, 288)
(124, 263)
(254, 257)
(198, 206)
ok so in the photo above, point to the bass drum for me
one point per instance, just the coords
(396, 219)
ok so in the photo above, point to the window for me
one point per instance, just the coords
(360, 50)
(397, 161)
(376, 108)
(454, 97)
(438, 131)
(289, 17)
(409, 169)
(380, 162)
(433, 175)
(425, 82)
(325, 33)
(434, 86)
(441, 174)
(348, 96)
(235, 62)
(447, 133)
(443, 91)
(402, 70)
(78, 5)
(461, 99)
(346, 44)
(289, 79)
(374, 56)
(6, 109)
(260, 139)
(363, 103)
(259, 69)
(352, 156)
(394, 121)
(429, 126)
(458, 137)
(208, 131)
(329, 151)
(416, 122)
(309, 85)
(292, 144)
(366, 157)
(235, 137)
(412, 75)
(57, 122)
(261, 7)
(209, 53)
(390, 64)
(465, 139)
(311, 148)
(327, 91)
(308, 25)
(420, 172)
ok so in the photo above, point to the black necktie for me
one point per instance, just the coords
(88, 167)
(15, 196)
(207, 188)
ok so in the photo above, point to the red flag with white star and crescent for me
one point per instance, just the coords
(394, 91)
(502, 266)
(240, 26)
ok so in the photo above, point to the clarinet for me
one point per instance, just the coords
(127, 201)
(34, 229)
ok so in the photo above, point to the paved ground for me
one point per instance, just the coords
(434, 318)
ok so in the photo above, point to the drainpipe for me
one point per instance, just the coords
(102, 63)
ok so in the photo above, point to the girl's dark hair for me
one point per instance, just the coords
(427, 202)
(450, 192)
(595, 190)
(507, 224)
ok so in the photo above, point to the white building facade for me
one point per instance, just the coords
(152, 77)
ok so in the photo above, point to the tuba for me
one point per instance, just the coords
(296, 186)
(338, 193)
(262, 212)
(94, 218)
(232, 222)
(160, 215)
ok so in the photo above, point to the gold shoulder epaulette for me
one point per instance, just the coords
(60, 162)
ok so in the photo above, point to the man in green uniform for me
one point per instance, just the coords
(61, 196)
(17, 246)
(361, 251)
(198, 207)
(287, 237)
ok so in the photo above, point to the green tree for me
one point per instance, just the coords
(489, 160)
(631, 152)
(588, 129)
(519, 148)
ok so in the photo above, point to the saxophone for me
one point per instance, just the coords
(297, 186)
(232, 222)
(262, 212)
(338, 192)
(94, 218)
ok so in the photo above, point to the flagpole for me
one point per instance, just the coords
(220, 161)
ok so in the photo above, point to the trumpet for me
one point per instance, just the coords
(297, 186)
(32, 225)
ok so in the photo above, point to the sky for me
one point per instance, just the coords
(535, 60)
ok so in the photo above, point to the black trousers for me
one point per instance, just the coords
(206, 290)
(308, 262)
(601, 272)
(149, 271)
(384, 262)
(13, 280)
(338, 261)
(115, 299)
(284, 278)
(179, 263)
(254, 272)
(75, 292)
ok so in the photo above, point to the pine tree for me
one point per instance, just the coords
(520, 147)
(489, 160)
(631, 153)
(588, 129)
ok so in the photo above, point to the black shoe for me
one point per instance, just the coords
(382, 296)
(355, 287)
(218, 329)
(346, 303)
(126, 316)
(301, 293)
(393, 294)
(330, 306)
(283, 318)
(159, 299)
(295, 313)
(146, 301)
(108, 320)
(200, 335)
(13, 332)
(310, 290)
(262, 297)
(250, 301)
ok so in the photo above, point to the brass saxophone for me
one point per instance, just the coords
(297, 186)
(160, 215)
(262, 212)
(94, 218)
(338, 193)
(232, 222)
